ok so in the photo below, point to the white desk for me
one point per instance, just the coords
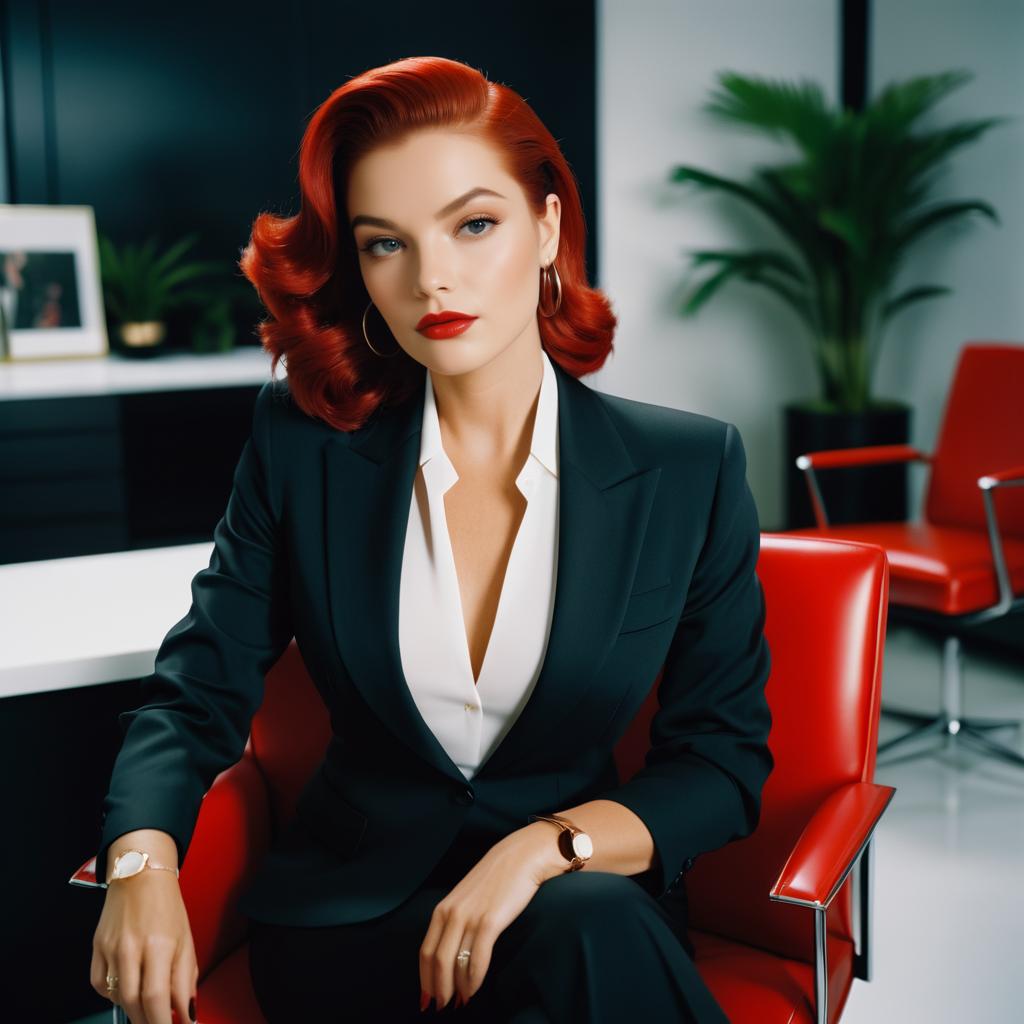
(117, 374)
(69, 622)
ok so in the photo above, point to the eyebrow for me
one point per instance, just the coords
(380, 222)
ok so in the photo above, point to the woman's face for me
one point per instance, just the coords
(481, 256)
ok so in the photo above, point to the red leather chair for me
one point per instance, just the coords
(767, 960)
(961, 564)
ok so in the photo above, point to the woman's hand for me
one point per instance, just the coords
(143, 937)
(483, 904)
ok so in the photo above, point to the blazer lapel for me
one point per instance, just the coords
(604, 503)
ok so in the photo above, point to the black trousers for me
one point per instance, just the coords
(591, 947)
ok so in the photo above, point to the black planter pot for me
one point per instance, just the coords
(860, 494)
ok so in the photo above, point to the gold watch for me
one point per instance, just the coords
(576, 845)
(133, 862)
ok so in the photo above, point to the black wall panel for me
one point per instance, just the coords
(172, 120)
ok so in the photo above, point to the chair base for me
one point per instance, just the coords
(952, 726)
(954, 731)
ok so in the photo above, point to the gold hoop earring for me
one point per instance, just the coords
(383, 355)
(545, 285)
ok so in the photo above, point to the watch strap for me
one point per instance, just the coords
(568, 829)
(148, 865)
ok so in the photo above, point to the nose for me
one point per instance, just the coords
(434, 267)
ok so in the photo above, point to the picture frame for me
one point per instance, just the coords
(51, 299)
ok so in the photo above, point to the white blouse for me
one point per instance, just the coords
(470, 719)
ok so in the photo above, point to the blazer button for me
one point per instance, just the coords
(464, 796)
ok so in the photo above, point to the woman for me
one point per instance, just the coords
(485, 564)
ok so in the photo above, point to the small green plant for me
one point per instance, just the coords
(851, 206)
(215, 329)
(140, 284)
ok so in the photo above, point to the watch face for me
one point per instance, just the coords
(129, 863)
(582, 845)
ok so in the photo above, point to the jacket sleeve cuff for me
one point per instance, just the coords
(171, 820)
(686, 805)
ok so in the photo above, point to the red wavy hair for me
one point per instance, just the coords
(305, 268)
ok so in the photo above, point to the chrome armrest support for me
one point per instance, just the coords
(817, 500)
(806, 463)
(863, 883)
(862, 902)
(988, 484)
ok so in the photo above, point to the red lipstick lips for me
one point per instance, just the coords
(445, 324)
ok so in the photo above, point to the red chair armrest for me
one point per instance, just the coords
(85, 875)
(1004, 476)
(1013, 477)
(839, 458)
(842, 458)
(830, 844)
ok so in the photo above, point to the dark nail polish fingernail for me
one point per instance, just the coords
(424, 999)
(192, 1010)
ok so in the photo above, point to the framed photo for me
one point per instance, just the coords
(51, 302)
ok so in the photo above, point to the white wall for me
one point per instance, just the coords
(745, 354)
(4, 193)
(982, 262)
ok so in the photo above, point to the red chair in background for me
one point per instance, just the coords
(962, 564)
(766, 958)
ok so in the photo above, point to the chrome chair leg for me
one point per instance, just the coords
(936, 725)
(995, 723)
(991, 747)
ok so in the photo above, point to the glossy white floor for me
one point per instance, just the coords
(949, 856)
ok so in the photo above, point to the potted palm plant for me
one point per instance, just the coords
(141, 286)
(850, 207)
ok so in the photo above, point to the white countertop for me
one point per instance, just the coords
(89, 619)
(117, 374)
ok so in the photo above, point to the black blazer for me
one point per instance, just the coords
(658, 543)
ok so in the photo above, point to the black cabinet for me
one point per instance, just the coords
(91, 474)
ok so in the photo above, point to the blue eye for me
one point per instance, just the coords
(380, 241)
(371, 245)
(478, 220)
